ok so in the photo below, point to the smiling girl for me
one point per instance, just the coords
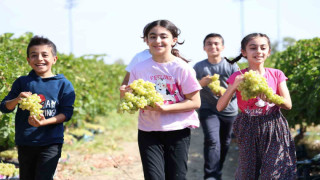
(164, 131)
(266, 149)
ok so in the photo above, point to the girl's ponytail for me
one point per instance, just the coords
(176, 53)
(235, 59)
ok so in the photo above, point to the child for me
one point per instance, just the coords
(266, 149)
(164, 131)
(216, 126)
(139, 57)
(40, 141)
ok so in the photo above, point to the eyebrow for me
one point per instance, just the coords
(257, 45)
(159, 34)
(33, 52)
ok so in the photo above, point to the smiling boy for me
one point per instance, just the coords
(39, 141)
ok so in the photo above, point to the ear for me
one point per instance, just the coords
(244, 53)
(28, 60)
(222, 47)
(55, 58)
(174, 41)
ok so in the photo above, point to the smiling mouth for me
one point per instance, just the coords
(40, 65)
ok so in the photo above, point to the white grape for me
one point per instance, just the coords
(255, 84)
(143, 94)
(215, 85)
(32, 104)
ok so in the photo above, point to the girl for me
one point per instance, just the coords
(164, 131)
(266, 149)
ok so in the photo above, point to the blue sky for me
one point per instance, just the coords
(115, 27)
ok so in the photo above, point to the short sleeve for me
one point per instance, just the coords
(189, 82)
(281, 76)
(232, 77)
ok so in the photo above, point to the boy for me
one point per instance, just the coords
(39, 141)
(217, 126)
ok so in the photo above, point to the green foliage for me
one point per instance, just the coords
(96, 83)
(301, 64)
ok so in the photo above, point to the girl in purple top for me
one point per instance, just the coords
(164, 131)
(266, 149)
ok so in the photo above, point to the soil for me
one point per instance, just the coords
(126, 165)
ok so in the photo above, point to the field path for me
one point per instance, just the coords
(126, 165)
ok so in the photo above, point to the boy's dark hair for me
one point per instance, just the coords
(39, 40)
(213, 35)
(244, 43)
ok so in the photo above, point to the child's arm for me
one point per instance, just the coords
(11, 104)
(227, 96)
(126, 79)
(284, 92)
(33, 121)
(192, 101)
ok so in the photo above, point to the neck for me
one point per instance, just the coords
(45, 75)
(214, 59)
(258, 68)
(163, 58)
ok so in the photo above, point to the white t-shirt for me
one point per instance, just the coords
(172, 80)
(139, 57)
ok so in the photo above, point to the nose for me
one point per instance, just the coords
(158, 39)
(259, 50)
(40, 57)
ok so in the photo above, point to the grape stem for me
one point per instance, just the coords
(240, 71)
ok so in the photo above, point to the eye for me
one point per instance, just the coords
(164, 37)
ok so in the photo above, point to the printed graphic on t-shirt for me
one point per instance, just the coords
(258, 107)
(169, 91)
(48, 106)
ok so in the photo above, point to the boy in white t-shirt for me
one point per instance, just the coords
(139, 57)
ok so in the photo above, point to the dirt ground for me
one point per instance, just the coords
(126, 164)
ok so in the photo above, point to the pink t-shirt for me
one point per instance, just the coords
(172, 80)
(256, 106)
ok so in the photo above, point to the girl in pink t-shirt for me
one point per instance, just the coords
(164, 131)
(266, 148)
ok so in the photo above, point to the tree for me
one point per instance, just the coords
(301, 64)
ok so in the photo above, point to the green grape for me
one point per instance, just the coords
(215, 85)
(9, 170)
(255, 84)
(143, 94)
(32, 104)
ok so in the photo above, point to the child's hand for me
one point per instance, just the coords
(264, 98)
(158, 107)
(238, 80)
(33, 121)
(24, 95)
(205, 81)
(221, 92)
(123, 89)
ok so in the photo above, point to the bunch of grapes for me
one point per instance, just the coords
(8, 170)
(255, 84)
(143, 94)
(32, 104)
(215, 85)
